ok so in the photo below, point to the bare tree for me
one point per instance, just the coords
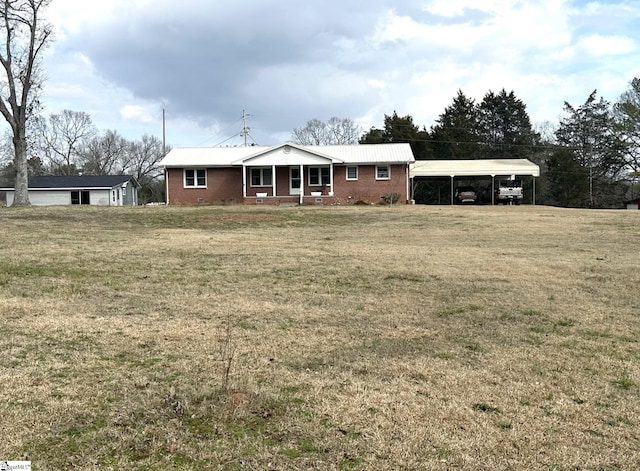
(24, 36)
(105, 154)
(336, 131)
(142, 162)
(63, 138)
(343, 131)
(143, 158)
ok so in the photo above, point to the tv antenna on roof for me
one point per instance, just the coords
(245, 127)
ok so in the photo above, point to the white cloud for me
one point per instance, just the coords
(138, 113)
(124, 60)
(600, 46)
(377, 84)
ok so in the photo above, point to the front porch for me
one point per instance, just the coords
(288, 174)
(289, 184)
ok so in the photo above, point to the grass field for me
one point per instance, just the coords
(473, 338)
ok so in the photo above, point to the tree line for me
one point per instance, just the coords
(68, 143)
(590, 158)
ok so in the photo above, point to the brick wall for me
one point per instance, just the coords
(223, 185)
(366, 188)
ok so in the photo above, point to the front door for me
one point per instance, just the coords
(294, 180)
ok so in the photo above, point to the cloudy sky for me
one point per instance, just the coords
(286, 62)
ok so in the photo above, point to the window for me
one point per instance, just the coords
(195, 178)
(80, 197)
(352, 173)
(382, 172)
(261, 176)
(319, 176)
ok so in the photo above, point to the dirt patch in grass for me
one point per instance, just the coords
(362, 338)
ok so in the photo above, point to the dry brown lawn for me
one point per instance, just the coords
(473, 338)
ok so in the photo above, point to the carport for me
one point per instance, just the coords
(474, 168)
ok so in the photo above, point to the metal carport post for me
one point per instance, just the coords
(452, 188)
(493, 190)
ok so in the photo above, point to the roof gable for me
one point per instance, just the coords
(288, 154)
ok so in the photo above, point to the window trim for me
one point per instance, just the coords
(347, 173)
(320, 176)
(388, 167)
(261, 170)
(195, 177)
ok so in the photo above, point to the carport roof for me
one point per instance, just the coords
(473, 168)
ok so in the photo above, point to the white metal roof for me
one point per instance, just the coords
(287, 154)
(472, 168)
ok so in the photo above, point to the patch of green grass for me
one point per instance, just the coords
(597, 334)
(443, 453)
(182, 459)
(457, 311)
(350, 463)
(307, 446)
(25, 269)
(624, 381)
(201, 426)
(565, 323)
(484, 407)
(291, 453)
(443, 355)
(474, 347)
(403, 277)
(532, 313)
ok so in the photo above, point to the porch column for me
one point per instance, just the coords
(301, 184)
(273, 179)
(407, 182)
(244, 181)
(166, 185)
(331, 180)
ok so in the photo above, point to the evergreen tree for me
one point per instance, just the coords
(627, 116)
(504, 127)
(588, 132)
(400, 129)
(455, 135)
(567, 180)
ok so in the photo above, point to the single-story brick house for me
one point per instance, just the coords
(96, 190)
(287, 173)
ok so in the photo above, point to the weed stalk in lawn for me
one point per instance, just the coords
(227, 354)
